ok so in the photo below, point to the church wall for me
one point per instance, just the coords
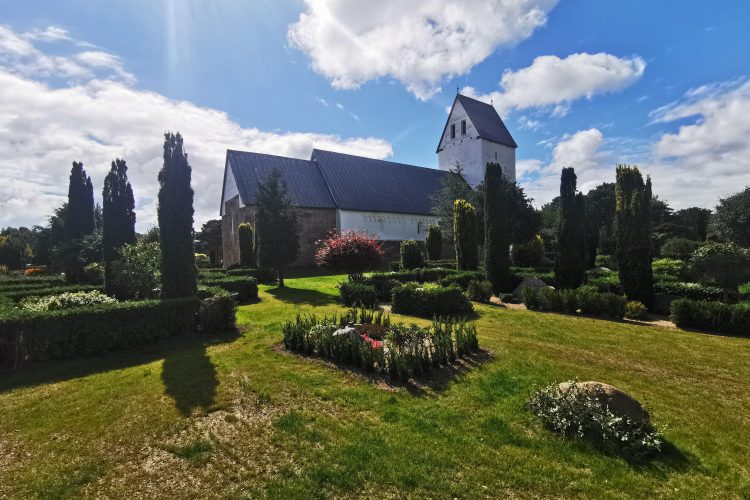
(504, 155)
(386, 226)
(464, 149)
(230, 188)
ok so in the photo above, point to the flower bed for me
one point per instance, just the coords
(368, 340)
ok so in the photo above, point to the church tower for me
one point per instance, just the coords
(474, 135)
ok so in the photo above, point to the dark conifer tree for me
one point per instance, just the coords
(633, 229)
(465, 235)
(80, 216)
(118, 218)
(434, 242)
(276, 226)
(247, 244)
(570, 264)
(496, 239)
(178, 272)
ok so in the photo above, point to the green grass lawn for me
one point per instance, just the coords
(236, 417)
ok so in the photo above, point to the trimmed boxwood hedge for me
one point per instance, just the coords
(431, 300)
(261, 274)
(217, 311)
(715, 316)
(585, 299)
(33, 335)
(358, 294)
(18, 295)
(49, 280)
(245, 287)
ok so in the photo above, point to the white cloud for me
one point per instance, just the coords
(554, 82)
(43, 129)
(417, 43)
(49, 34)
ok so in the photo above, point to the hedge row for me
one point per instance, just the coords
(261, 274)
(245, 287)
(358, 294)
(430, 300)
(31, 336)
(585, 299)
(49, 280)
(217, 311)
(715, 316)
(18, 295)
(384, 283)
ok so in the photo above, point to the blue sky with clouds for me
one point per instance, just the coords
(586, 84)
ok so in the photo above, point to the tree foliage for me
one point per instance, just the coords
(599, 221)
(118, 218)
(178, 273)
(15, 251)
(136, 272)
(695, 220)
(465, 235)
(497, 191)
(276, 225)
(411, 255)
(210, 237)
(434, 242)
(726, 265)
(570, 263)
(79, 220)
(633, 227)
(246, 244)
(352, 252)
(732, 221)
(453, 187)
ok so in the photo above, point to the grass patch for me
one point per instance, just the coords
(195, 451)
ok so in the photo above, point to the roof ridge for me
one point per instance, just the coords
(375, 159)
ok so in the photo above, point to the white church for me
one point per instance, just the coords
(392, 201)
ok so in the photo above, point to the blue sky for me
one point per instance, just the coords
(584, 84)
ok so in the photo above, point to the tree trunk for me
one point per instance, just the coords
(281, 279)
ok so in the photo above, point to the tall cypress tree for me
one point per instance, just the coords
(118, 218)
(496, 239)
(570, 264)
(178, 272)
(465, 235)
(633, 229)
(247, 245)
(80, 216)
(276, 225)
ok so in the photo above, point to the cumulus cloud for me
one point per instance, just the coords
(554, 82)
(44, 128)
(419, 44)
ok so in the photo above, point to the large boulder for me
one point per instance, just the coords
(620, 403)
(528, 282)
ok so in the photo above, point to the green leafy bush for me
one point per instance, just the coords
(481, 291)
(584, 299)
(400, 351)
(92, 329)
(679, 248)
(635, 310)
(461, 279)
(21, 279)
(692, 291)
(411, 255)
(20, 294)
(444, 263)
(202, 261)
(136, 273)
(245, 287)
(66, 300)
(357, 294)
(714, 316)
(607, 261)
(574, 412)
(217, 310)
(673, 268)
(430, 299)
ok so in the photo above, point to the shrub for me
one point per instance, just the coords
(135, 274)
(18, 295)
(411, 255)
(574, 412)
(693, 291)
(679, 248)
(607, 261)
(358, 294)
(217, 310)
(635, 310)
(263, 275)
(672, 268)
(481, 291)
(66, 300)
(202, 261)
(442, 263)
(725, 265)
(528, 254)
(352, 252)
(586, 299)
(605, 282)
(429, 300)
(394, 265)
(92, 329)
(461, 279)
(715, 316)
(246, 244)
(434, 242)
(507, 298)
(465, 235)
(94, 273)
(401, 353)
(20, 279)
(245, 287)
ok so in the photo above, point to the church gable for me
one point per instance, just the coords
(459, 127)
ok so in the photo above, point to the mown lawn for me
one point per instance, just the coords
(236, 417)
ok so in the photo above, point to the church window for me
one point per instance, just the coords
(453, 130)
(463, 127)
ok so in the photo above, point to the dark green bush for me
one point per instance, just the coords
(461, 279)
(245, 287)
(714, 316)
(20, 279)
(584, 299)
(430, 300)
(89, 330)
(692, 291)
(444, 263)
(18, 295)
(217, 310)
(635, 310)
(411, 255)
(481, 291)
(260, 274)
(507, 298)
(394, 265)
(358, 294)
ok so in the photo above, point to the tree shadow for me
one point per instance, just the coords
(190, 378)
(302, 296)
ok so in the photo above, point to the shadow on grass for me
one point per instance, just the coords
(302, 296)
(436, 379)
(188, 374)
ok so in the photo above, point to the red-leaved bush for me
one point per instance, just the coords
(352, 252)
